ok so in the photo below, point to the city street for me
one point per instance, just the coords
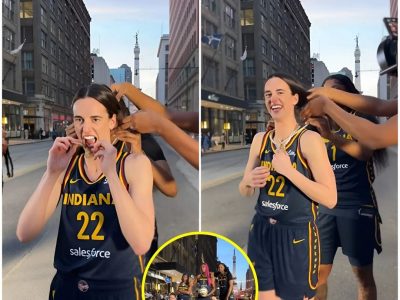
(225, 212)
(28, 268)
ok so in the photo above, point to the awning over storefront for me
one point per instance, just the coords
(12, 96)
(216, 98)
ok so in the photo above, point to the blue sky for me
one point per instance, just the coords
(225, 254)
(334, 25)
(113, 28)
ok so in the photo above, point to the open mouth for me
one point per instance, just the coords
(276, 108)
(89, 141)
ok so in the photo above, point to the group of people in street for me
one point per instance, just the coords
(207, 285)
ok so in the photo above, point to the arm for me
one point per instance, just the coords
(230, 282)
(162, 176)
(212, 284)
(351, 147)
(186, 120)
(364, 131)
(150, 122)
(43, 201)
(323, 189)
(254, 176)
(135, 209)
(365, 104)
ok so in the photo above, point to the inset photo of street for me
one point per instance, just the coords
(200, 266)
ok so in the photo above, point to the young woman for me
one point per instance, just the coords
(205, 283)
(354, 223)
(225, 281)
(107, 214)
(184, 288)
(290, 166)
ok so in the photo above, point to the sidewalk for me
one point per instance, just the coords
(228, 147)
(13, 141)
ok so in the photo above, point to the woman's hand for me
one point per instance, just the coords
(131, 138)
(257, 178)
(281, 162)
(315, 108)
(143, 122)
(106, 153)
(61, 153)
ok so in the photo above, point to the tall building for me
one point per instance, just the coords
(183, 85)
(136, 50)
(319, 71)
(55, 60)
(184, 255)
(119, 75)
(277, 37)
(357, 54)
(162, 77)
(100, 71)
(128, 72)
(347, 72)
(222, 99)
(13, 99)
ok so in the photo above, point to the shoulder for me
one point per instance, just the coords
(134, 162)
(310, 141)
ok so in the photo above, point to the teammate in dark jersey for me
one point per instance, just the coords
(290, 166)
(107, 214)
(225, 281)
(205, 282)
(354, 223)
(184, 290)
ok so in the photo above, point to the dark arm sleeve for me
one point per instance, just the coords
(151, 148)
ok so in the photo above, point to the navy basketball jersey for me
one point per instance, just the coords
(223, 282)
(353, 178)
(280, 198)
(202, 281)
(90, 243)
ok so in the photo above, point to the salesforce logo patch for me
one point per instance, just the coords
(275, 205)
(336, 166)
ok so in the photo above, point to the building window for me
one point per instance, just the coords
(210, 69)
(208, 28)
(166, 47)
(273, 33)
(53, 48)
(264, 45)
(26, 10)
(230, 47)
(53, 70)
(265, 70)
(246, 17)
(231, 82)
(45, 88)
(210, 5)
(52, 26)
(45, 65)
(250, 91)
(27, 33)
(263, 3)
(249, 68)
(8, 39)
(43, 16)
(229, 16)
(263, 22)
(27, 60)
(60, 75)
(52, 5)
(60, 35)
(248, 41)
(8, 75)
(8, 9)
(43, 39)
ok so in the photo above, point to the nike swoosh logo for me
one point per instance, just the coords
(72, 181)
(267, 151)
(297, 241)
